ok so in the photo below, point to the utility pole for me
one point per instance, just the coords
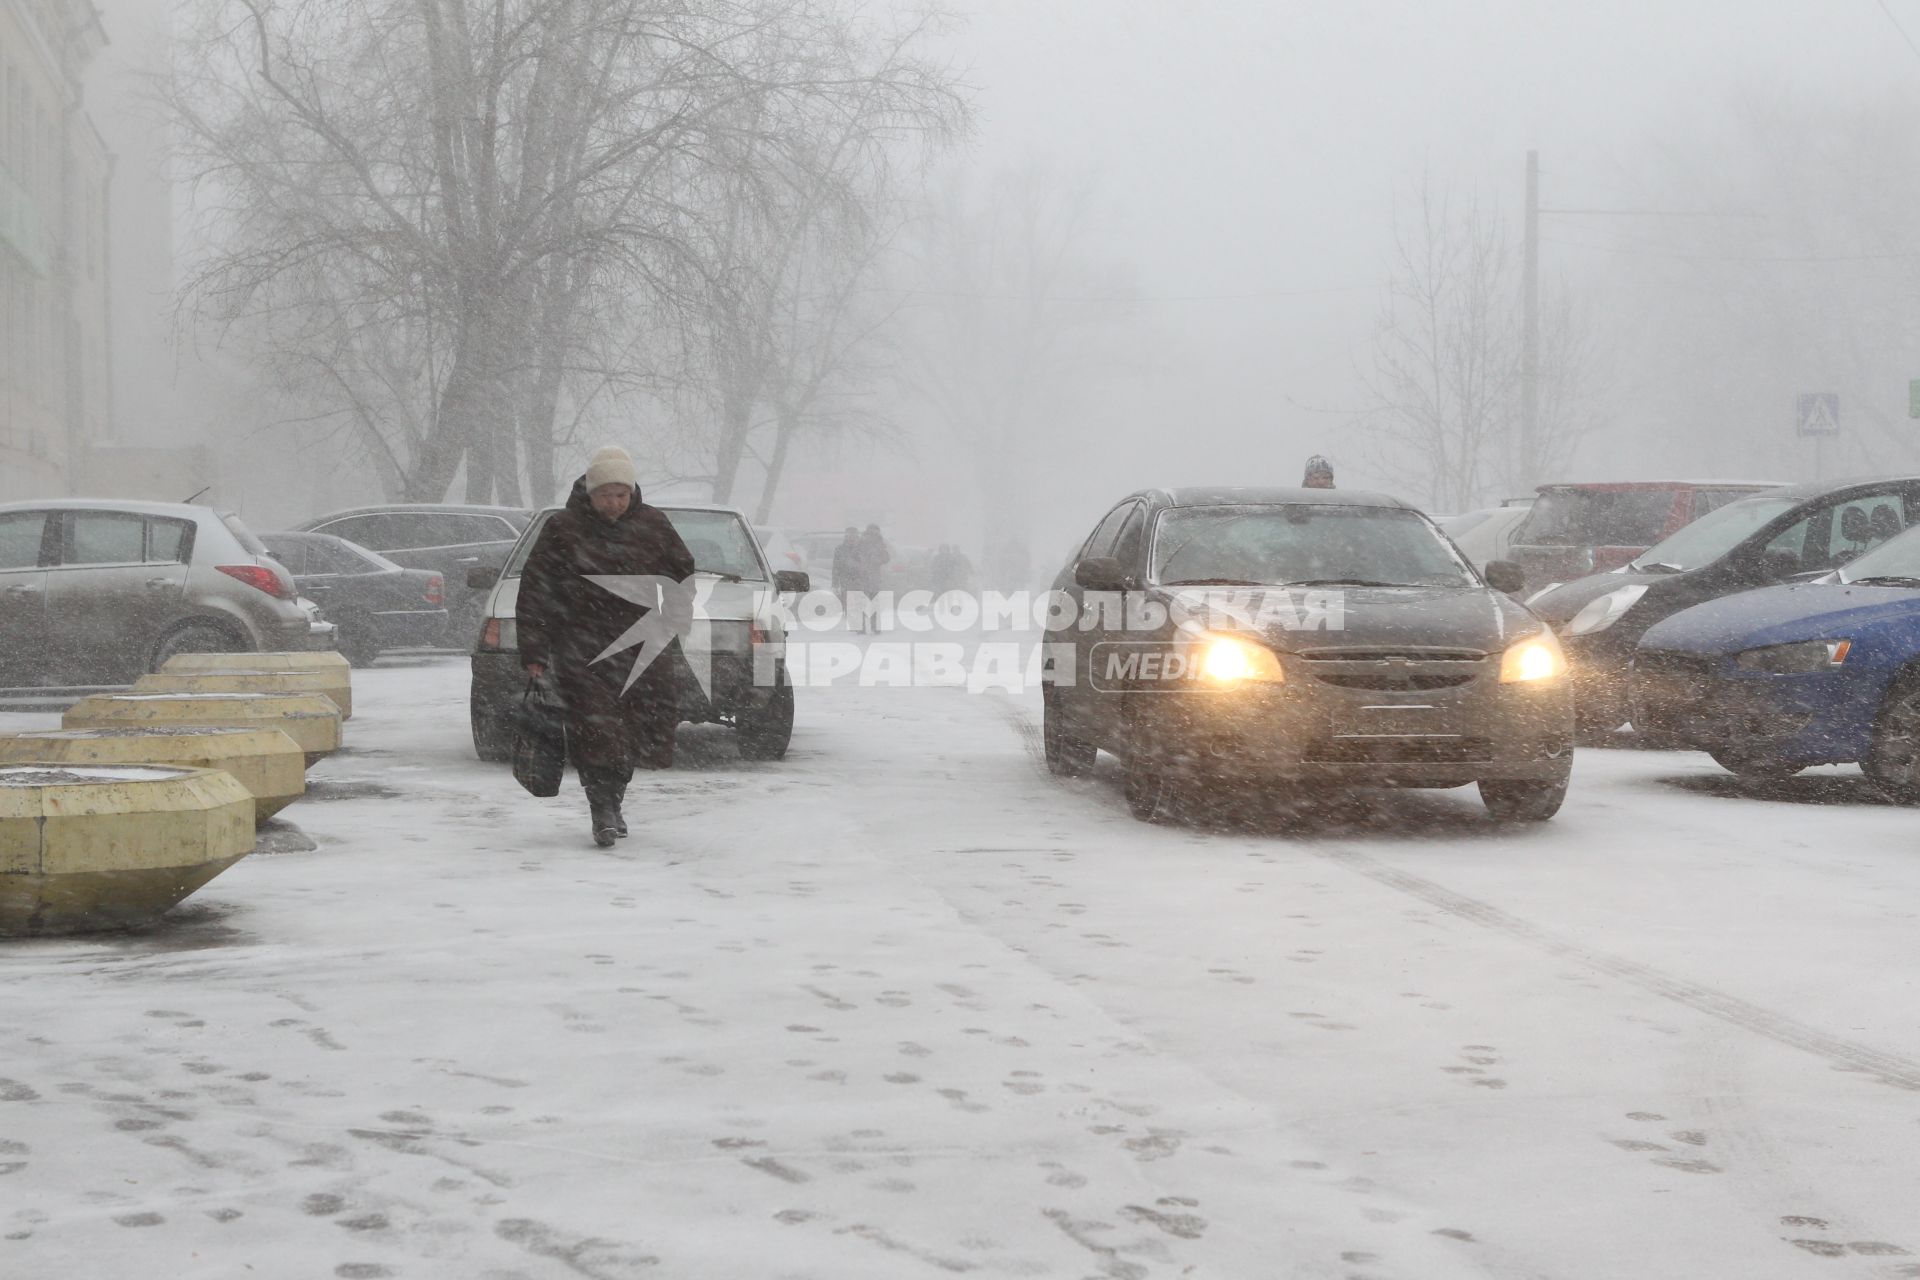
(1530, 328)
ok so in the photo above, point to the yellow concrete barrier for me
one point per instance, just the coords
(112, 846)
(337, 687)
(321, 660)
(310, 719)
(265, 761)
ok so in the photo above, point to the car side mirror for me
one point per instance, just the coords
(1100, 573)
(791, 580)
(1505, 576)
(482, 578)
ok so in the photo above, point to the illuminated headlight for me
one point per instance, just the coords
(1535, 659)
(1799, 658)
(1230, 660)
(1602, 612)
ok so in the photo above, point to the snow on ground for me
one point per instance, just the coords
(904, 1005)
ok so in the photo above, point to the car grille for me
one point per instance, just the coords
(1386, 670)
(1393, 678)
(1397, 750)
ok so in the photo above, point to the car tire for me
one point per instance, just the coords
(1152, 788)
(1893, 758)
(196, 637)
(1751, 766)
(1068, 754)
(765, 732)
(492, 732)
(1510, 800)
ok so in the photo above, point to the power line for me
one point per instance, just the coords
(1655, 213)
(1735, 257)
(1261, 295)
(1897, 27)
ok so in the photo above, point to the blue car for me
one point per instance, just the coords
(1772, 681)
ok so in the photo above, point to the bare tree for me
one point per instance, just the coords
(487, 188)
(1011, 313)
(790, 311)
(1444, 379)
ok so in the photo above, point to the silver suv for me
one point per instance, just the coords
(99, 592)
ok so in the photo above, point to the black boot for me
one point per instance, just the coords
(616, 786)
(606, 824)
(603, 804)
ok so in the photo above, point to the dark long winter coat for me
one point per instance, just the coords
(565, 622)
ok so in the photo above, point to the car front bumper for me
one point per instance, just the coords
(1708, 703)
(499, 677)
(1312, 729)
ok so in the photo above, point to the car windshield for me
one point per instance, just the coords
(1712, 535)
(718, 539)
(1597, 518)
(1306, 543)
(1896, 561)
(720, 542)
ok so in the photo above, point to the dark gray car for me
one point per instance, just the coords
(100, 592)
(449, 539)
(373, 603)
(1240, 637)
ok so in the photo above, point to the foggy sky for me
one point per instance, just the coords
(1256, 147)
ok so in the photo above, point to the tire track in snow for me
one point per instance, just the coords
(1844, 1054)
(1848, 1055)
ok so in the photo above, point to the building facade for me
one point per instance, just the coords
(55, 172)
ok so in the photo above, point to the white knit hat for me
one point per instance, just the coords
(611, 465)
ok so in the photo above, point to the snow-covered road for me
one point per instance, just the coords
(905, 1005)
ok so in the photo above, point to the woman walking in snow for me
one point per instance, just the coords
(567, 621)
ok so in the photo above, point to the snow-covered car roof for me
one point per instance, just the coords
(1237, 495)
(183, 510)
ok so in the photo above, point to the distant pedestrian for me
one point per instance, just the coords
(848, 577)
(871, 560)
(567, 621)
(1319, 474)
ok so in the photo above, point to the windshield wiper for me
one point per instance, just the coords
(1352, 582)
(1212, 582)
(1656, 566)
(720, 574)
(1886, 580)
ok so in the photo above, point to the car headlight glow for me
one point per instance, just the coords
(1798, 658)
(1533, 660)
(1602, 612)
(1226, 660)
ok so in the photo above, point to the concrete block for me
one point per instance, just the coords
(310, 719)
(336, 686)
(265, 761)
(86, 847)
(323, 660)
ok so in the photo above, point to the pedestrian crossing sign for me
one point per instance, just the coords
(1819, 413)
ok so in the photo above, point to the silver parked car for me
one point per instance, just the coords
(100, 592)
